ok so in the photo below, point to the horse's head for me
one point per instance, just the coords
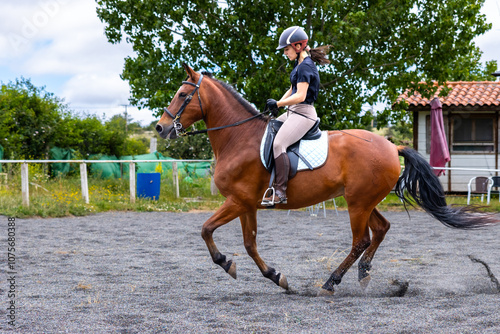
(180, 114)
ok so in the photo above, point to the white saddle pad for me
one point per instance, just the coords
(314, 151)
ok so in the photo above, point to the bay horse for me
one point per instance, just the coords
(361, 166)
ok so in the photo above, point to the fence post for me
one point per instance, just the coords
(175, 177)
(25, 188)
(213, 187)
(131, 173)
(152, 145)
(84, 182)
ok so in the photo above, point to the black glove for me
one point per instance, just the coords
(272, 106)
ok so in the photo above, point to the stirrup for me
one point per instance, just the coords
(266, 202)
(281, 200)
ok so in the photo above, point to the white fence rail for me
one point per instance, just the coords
(84, 179)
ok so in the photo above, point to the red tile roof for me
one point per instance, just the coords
(463, 93)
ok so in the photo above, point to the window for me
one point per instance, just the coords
(473, 134)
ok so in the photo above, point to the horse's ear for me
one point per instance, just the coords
(190, 72)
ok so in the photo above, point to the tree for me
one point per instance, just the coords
(117, 139)
(187, 147)
(379, 48)
(475, 73)
(29, 119)
(32, 121)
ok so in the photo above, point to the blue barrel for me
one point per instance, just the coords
(148, 185)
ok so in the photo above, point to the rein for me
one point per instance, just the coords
(220, 127)
(179, 129)
(350, 134)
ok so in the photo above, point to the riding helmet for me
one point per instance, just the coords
(292, 36)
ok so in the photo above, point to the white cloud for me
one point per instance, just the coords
(105, 88)
(65, 39)
(489, 43)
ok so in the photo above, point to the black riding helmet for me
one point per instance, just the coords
(292, 36)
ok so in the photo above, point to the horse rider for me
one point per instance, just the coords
(299, 98)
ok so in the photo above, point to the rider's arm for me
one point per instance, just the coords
(296, 98)
(287, 94)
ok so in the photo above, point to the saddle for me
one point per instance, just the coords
(308, 153)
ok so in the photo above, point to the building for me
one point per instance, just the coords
(471, 121)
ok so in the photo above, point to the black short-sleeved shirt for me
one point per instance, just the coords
(306, 72)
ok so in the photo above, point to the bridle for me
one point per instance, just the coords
(179, 129)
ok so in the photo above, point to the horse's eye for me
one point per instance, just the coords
(182, 95)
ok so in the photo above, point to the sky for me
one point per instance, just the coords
(60, 44)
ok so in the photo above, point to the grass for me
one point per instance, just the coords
(60, 197)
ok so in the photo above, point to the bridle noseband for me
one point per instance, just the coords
(179, 129)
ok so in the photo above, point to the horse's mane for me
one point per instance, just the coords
(248, 107)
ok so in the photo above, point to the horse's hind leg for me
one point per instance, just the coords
(249, 227)
(360, 241)
(379, 226)
(227, 212)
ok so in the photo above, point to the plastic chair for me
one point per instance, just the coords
(314, 209)
(481, 185)
(495, 183)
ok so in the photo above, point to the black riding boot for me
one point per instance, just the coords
(282, 164)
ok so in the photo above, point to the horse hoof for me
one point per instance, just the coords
(283, 282)
(364, 282)
(232, 270)
(325, 293)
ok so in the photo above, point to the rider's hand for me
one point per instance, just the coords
(272, 106)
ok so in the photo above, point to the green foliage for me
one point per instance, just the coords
(29, 119)
(134, 146)
(400, 133)
(476, 73)
(379, 48)
(32, 121)
(187, 147)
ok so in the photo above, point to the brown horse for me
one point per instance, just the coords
(361, 166)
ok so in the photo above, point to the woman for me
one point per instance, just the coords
(300, 98)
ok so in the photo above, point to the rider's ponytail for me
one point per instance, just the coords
(318, 55)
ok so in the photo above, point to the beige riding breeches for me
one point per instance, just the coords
(294, 126)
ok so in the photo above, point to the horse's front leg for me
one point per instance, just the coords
(249, 227)
(227, 212)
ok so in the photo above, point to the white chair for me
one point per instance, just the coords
(494, 183)
(314, 209)
(478, 185)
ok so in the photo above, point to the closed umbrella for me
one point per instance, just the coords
(440, 153)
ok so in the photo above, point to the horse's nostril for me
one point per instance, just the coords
(159, 128)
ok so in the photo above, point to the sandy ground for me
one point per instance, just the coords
(127, 272)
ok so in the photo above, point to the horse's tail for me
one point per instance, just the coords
(420, 182)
